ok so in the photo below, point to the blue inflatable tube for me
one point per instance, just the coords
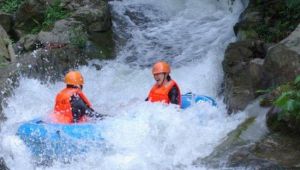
(188, 99)
(51, 140)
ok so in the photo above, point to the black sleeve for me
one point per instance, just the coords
(147, 99)
(174, 95)
(80, 108)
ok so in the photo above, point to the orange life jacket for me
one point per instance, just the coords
(161, 93)
(63, 110)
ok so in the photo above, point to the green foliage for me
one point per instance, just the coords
(10, 6)
(293, 4)
(53, 13)
(78, 37)
(264, 91)
(282, 19)
(289, 101)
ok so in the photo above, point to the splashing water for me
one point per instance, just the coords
(190, 34)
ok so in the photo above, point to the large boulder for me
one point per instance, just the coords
(6, 51)
(248, 21)
(245, 158)
(2, 164)
(95, 15)
(6, 21)
(268, 20)
(52, 63)
(90, 19)
(63, 32)
(30, 15)
(243, 70)
(282, 63)
(27, 43)
(274, 151)
(97, 18)
(284, 124)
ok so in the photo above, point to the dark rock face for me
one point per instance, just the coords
(286, 125)
(2, 164)
(88, 18)
(250, 65)
(283, 60)
(244, 158)
(268, 20)
(249, 19)
(53, 64)
(6, 52)
(29, 15)
(6, 21)
(243, 68)
(273, 152)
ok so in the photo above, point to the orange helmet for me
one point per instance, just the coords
(74, 78)
(161, 67)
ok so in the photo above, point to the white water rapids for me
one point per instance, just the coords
(190, 34)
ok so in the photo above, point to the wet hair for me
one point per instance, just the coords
(168, 77)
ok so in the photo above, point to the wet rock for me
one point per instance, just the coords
(243, 68)
(97, 18)
(62, 32)
(240, 149)
(88, 20)
(273, 122)
(244, 158)
(6, 21)
(27, 43)
(30, 15)
(267, 20)
(8, 80)
(52, 64)
(282, 62)
(273, 152)
(6, 51)
(94, 14)
(249, 19)
(252, 65)
(284, 124)
(234, 141)
(3, 165)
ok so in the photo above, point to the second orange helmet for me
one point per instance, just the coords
(161, 67)
(74, 78)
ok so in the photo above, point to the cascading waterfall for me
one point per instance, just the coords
(191, 35)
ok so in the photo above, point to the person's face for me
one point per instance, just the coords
(159, 78)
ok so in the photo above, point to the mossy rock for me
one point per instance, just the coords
(285, 125)
(104, 45)
(249, 34)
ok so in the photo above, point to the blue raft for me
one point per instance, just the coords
(53, 140)
(189, 99)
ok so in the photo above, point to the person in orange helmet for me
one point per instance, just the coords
(165, 89)
(71, 105)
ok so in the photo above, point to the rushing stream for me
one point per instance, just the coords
(190, 34)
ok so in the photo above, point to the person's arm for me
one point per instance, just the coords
(174, 95)
(80, 108)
